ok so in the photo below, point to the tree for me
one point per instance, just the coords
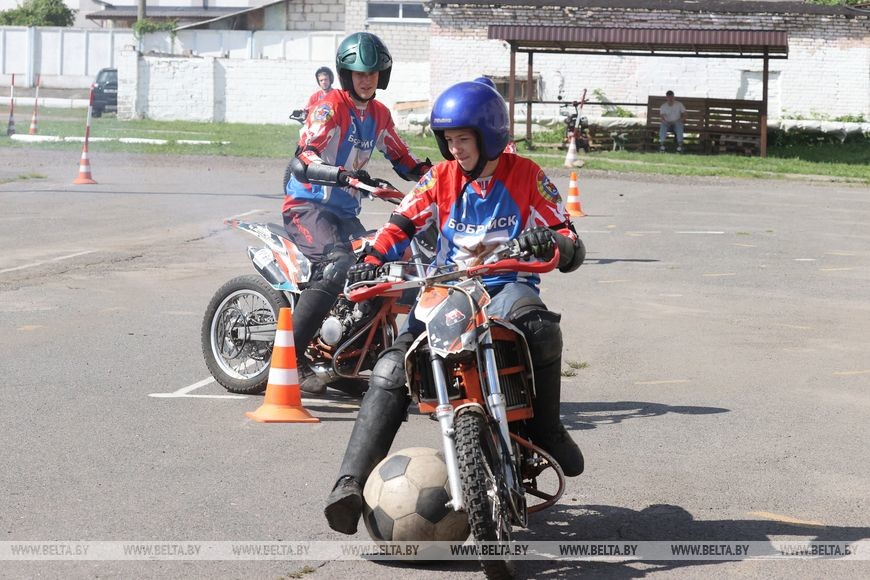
(38, 13)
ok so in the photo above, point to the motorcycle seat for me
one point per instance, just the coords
(278, 230)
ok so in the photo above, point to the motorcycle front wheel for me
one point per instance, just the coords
(481, 473)
(238, 331)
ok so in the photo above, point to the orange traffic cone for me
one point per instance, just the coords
(571, 155)
(574, 208)
(33, 129)
(283, 402)
(84, 169)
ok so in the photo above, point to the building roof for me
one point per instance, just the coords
(643, 41)
(714, 6)
(234, 12)
(168, 12)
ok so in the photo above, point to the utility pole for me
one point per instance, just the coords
(140, 15)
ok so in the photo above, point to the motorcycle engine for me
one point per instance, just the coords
(344, 316)
(331, 331)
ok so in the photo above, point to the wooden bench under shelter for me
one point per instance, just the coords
(729, 125)
(721, 125)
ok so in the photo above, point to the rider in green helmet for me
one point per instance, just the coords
(363, 52)
(321, 208)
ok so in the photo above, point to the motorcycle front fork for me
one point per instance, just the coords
(444, 412)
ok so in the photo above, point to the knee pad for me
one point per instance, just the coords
(543, 334)
(389, 372)
(338, 262)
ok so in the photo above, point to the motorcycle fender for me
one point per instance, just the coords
(268, 268)
(469, 408)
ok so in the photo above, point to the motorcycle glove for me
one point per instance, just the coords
(362, 272)
(344, 175)
(538, 241)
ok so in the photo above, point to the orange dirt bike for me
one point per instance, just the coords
(473, 373)
(239, 325)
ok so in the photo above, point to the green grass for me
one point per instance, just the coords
(22, 177)
(244, 140)
(787, 156)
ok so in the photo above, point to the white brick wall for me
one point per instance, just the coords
(236, 91)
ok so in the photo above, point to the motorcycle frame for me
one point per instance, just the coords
(484, 395)
(280, 272)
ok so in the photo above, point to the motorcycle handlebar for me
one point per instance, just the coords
(379, 188)
(508, 264)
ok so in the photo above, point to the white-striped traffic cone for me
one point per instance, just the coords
(283, 402)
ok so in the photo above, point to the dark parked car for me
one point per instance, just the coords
(105, 91)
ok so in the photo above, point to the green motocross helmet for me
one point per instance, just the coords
(363, 52)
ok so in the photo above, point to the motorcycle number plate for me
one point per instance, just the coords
(263, 257)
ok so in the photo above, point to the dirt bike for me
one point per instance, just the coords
(473, 373)
(576, 125)
(239, 325)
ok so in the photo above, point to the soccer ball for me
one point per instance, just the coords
(406, 497)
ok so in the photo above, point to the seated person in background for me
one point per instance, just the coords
(673, 116)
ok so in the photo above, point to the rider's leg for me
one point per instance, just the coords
(322, 237)
(316, 300)
(383, 409)
(544, 337)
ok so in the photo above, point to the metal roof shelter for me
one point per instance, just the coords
(697, 43)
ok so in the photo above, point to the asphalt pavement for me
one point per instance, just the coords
(724, 325)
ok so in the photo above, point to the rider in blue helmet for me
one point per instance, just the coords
(479, 198)
(511, 147)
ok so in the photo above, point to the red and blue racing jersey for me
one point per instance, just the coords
(336, 132)
(489, 213)
(318, 96)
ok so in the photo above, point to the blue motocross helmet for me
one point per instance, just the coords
(472, 105)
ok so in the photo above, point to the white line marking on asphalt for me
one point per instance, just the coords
(745, 245)
(719, 274)
(330, 402)
(252, 212)
(185, 392)
(839, 253)
(59, 258)
(612, 281)
(664, 382)
(836, 269)
(173, 396)
(852, 373)
(804, 259)
(717, 233)
(788, 519)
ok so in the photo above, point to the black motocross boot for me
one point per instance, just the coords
(381, 414)
(311, 308)
(547, 430)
